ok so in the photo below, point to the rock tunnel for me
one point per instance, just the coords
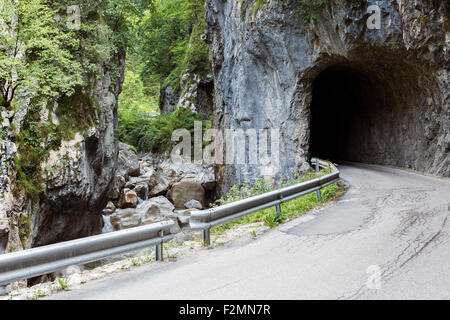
(381, 114)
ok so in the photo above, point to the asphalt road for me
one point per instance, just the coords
(387, 238)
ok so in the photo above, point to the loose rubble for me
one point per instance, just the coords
(162, 190)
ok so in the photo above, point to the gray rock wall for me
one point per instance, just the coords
(79, 190)
(78, 176)
(265, 67)
(196, 93)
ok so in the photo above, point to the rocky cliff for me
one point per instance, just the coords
(58, 161)
(77, 178)
(195, 94)
(334, 87)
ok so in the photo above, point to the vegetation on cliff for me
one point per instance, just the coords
(36, 52)
(167, 44)
(46, 57)
(155, 134)
(170, 41)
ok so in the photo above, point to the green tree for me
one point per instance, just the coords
(167, 44)
(164, 35)
(35, 52)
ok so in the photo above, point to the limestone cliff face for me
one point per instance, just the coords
(77, 176)
(78, 189)
(333, 87)
(195, 94)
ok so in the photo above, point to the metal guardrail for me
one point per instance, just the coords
(46, 259)
(206, 219)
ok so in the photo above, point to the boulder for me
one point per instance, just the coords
(183, 221)
(126, 218)
(174, 229)
(193, 204)
(145, 168)
(158, 183)
(127, 162)
(129, 199)
(185, 212)
(148, 173)
(109, 209)
(153, 159)
(118, 183)
(177, 171)
(158, 206)
(141, 190)
(151, 211)
(183, 192)
(134, 181)
(206, 178)
(172, 175)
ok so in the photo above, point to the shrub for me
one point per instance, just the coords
(155, 134)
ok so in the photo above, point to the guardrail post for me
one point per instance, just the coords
(207, 237)
(159, 249)
(319, 196)
(159, 252)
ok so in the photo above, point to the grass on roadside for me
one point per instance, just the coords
(289, 210)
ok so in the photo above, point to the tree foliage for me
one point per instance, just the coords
(155, 134)
(57, 65)
(135, 96)
(167, 44)
(35, 52)
(165, 33)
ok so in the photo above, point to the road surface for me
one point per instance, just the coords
(387, 238)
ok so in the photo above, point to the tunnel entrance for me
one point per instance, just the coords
(344, 108)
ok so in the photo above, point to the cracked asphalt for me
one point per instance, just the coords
(387, 238)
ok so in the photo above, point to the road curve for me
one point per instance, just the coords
(387, 238)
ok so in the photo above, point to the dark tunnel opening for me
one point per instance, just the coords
(342, 103)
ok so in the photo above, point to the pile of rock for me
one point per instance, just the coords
(153, 189)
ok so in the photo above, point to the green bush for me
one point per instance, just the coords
(155, 134)
(64, 63)
(35, 140)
